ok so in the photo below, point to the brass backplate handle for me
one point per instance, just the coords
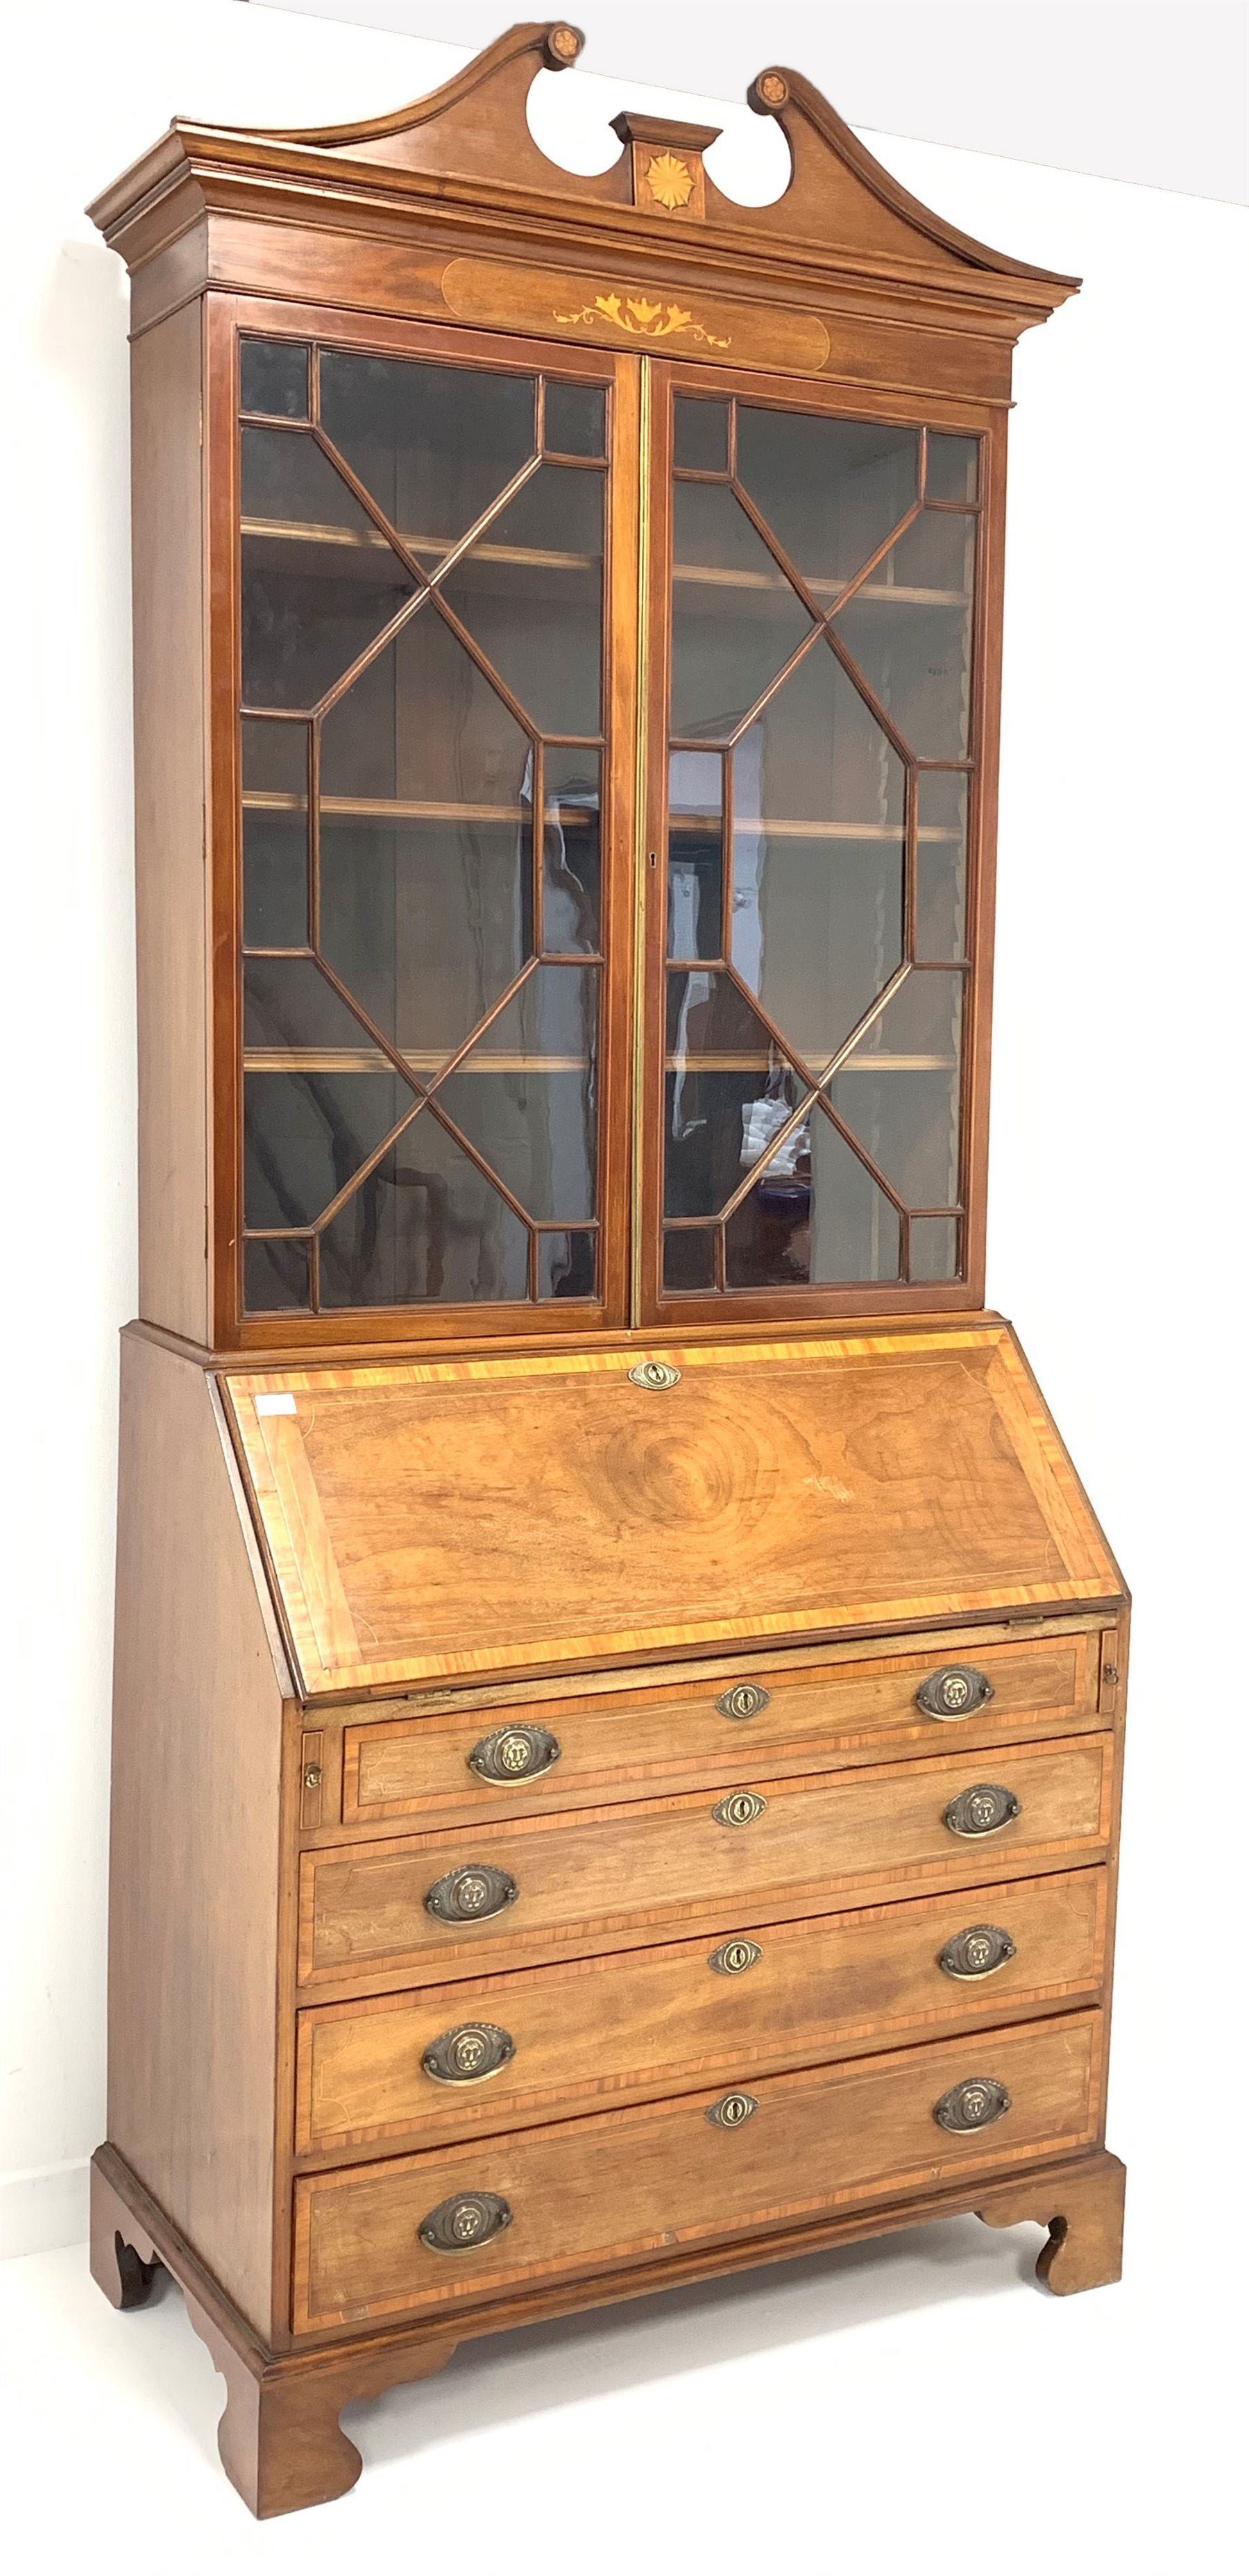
(469, 1894)
(470, 2219)
(957, 1690)
(978, 1951)
(469, 2053)
(514, 1753)
(983, 1809)
(973, 2104)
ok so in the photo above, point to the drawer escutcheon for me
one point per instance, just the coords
(973, 2104)
(983, 1809)
(734, 1957)
(471, 2218)
(957, 1690)
(469, 1894)
(514, 1753)
(468, 2054)
(978, 1951)
(740, 1807)
(732, 2109)
(746, 1699)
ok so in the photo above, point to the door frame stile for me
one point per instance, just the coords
(641, 837)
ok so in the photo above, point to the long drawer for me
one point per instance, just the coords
(628, 1743)
(435, 1905)
(432, 2232)
(504, 2052)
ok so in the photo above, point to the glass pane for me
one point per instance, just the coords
(426, 867)
(525, 1095)
(700, 435)
(899, 1091)
(941, 877)
(689, 1258)
(831, 491)
(934, 1247)
(424, 1228)
(909, 630)
(570, 845)
(822, 1223)
(695, 854)
(735, 618)
(435, 446)
(953, 467)
(728, 1093)
(276, 1276)
(275, 834)
(273, 378)
(307, 1133)
(319, 580)
(576, 420)
(818, 849)
(566, 1264)
(530, 593)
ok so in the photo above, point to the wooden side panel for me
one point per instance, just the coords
(603, 2032)
(612, 1877)
(633, 1743)
(193, 1899)
(170, 893)
(612, 2190)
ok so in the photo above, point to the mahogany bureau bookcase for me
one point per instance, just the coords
(618, 1686)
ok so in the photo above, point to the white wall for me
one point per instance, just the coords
(1115, 1228)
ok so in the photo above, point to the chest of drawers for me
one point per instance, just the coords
(595, 1958)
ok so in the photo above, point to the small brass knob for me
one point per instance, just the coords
(312, 1775)
(981, 1810)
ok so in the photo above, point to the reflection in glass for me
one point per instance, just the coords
(941, 874)
(434, 446)
(728, 1092)
(426, 867)
(818, 801)
(566, 1264)
(831, 491)
(953, 466)
(273, 378)
(576, 420)
(934, 1247)
(275, 834)
(525, 1095)
(306, 1133)
(276, 1275)
(689, 1258)
(909, 630)
(320, 580)
(735, 618)
(571, 856)
(530, 592)
(426, 1227)
(695, 854)
(899, 1090)
(828, 1222)
(700, 434)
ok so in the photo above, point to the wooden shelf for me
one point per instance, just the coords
(900, 595)
(760, 1062)
(367, 1059)
(403, 809)
(788, 828)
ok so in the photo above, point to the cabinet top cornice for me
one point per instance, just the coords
(466, 152)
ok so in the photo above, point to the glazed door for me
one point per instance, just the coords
(436, 561)
(813, 1126)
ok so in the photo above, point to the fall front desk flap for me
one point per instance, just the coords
(475, 1517)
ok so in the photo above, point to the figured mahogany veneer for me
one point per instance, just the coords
(695, 1549)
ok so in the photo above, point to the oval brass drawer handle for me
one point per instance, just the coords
(469, 1894)
(973, 2104)
(468, 2054)
(982, 1810)
(731, 2109)
(746, 1699)
(470, 2218)
(514, 1753)
(734, 1957)
(740, 1807)
(979, 1951)
(958, 1690)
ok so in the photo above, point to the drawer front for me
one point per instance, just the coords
(564, 1886)
(567, 1752)
(547, 2042)
(558, 2203)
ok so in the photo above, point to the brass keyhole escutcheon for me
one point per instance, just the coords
(734, 1957)
(746, 1699)
(655, 1374)
(732, 2109)
(740, 1807)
